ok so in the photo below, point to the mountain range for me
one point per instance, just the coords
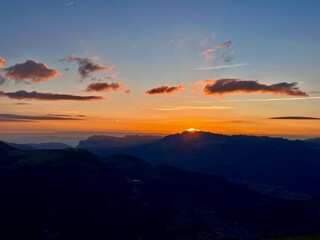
(292, 164)
(74, 194)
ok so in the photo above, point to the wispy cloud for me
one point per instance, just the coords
(30, 71)
(24, 95)
(69, 4)
(204, 42)
(295, 118)
(314, 92)
(21, 104)
(210, 52)
(15, 117)
(86, 66)
(103, 87)
(229, 86)
(164, 90)
(220, 67)
(179, 108)
(262, 100)
(128, 91)
(2, 62)
(112, 76)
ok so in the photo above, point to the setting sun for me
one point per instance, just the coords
(192, 130)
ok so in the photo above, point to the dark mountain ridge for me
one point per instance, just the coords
(39, 146)
(74, 194)
(275, 161)
(102, 141)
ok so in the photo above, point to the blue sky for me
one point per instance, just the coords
(160, 43)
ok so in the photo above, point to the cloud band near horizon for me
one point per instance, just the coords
(24, 95)
(294, 118)
(28, 118)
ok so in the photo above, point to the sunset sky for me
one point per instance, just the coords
(233, 67)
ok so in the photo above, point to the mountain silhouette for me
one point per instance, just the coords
(275, 161)
(74, 194)
(39, 146)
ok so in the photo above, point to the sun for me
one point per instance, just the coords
(192, 130)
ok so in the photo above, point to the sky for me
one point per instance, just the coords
(232, 67)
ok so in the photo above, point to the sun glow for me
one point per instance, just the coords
(192, 130)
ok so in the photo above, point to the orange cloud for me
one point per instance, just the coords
(24, 95)
(103, 87)
(164, 90)
(30, 71)
(2, 62)
(228, 86)
(128, 91)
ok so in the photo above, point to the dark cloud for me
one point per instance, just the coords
(164, 90)
(228, 86)
(227, 43)
(30, 71)
(67, 115)
(2, 62)
(86, 66)
(103, 87)
(15, 117)
(22, 104)
(23, 95)
(295, 118)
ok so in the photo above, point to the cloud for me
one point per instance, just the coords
(314, 92)
(112, 76)
(204, 42)
(128, 91)
(179, 108)
(229, 86)
(86, 66)
(227, 43)
(15, 117)
(220, 67)
(2, 62)
(30, 71)
(69, 4)
(164, 90)
(24, 95)
(103, 87)
(295, 118)
(208, 54)
(22, 104)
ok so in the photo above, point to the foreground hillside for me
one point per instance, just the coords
(73, 194)
(274, 161)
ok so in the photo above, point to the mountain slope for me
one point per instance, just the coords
(73, 194)
(274, 161)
